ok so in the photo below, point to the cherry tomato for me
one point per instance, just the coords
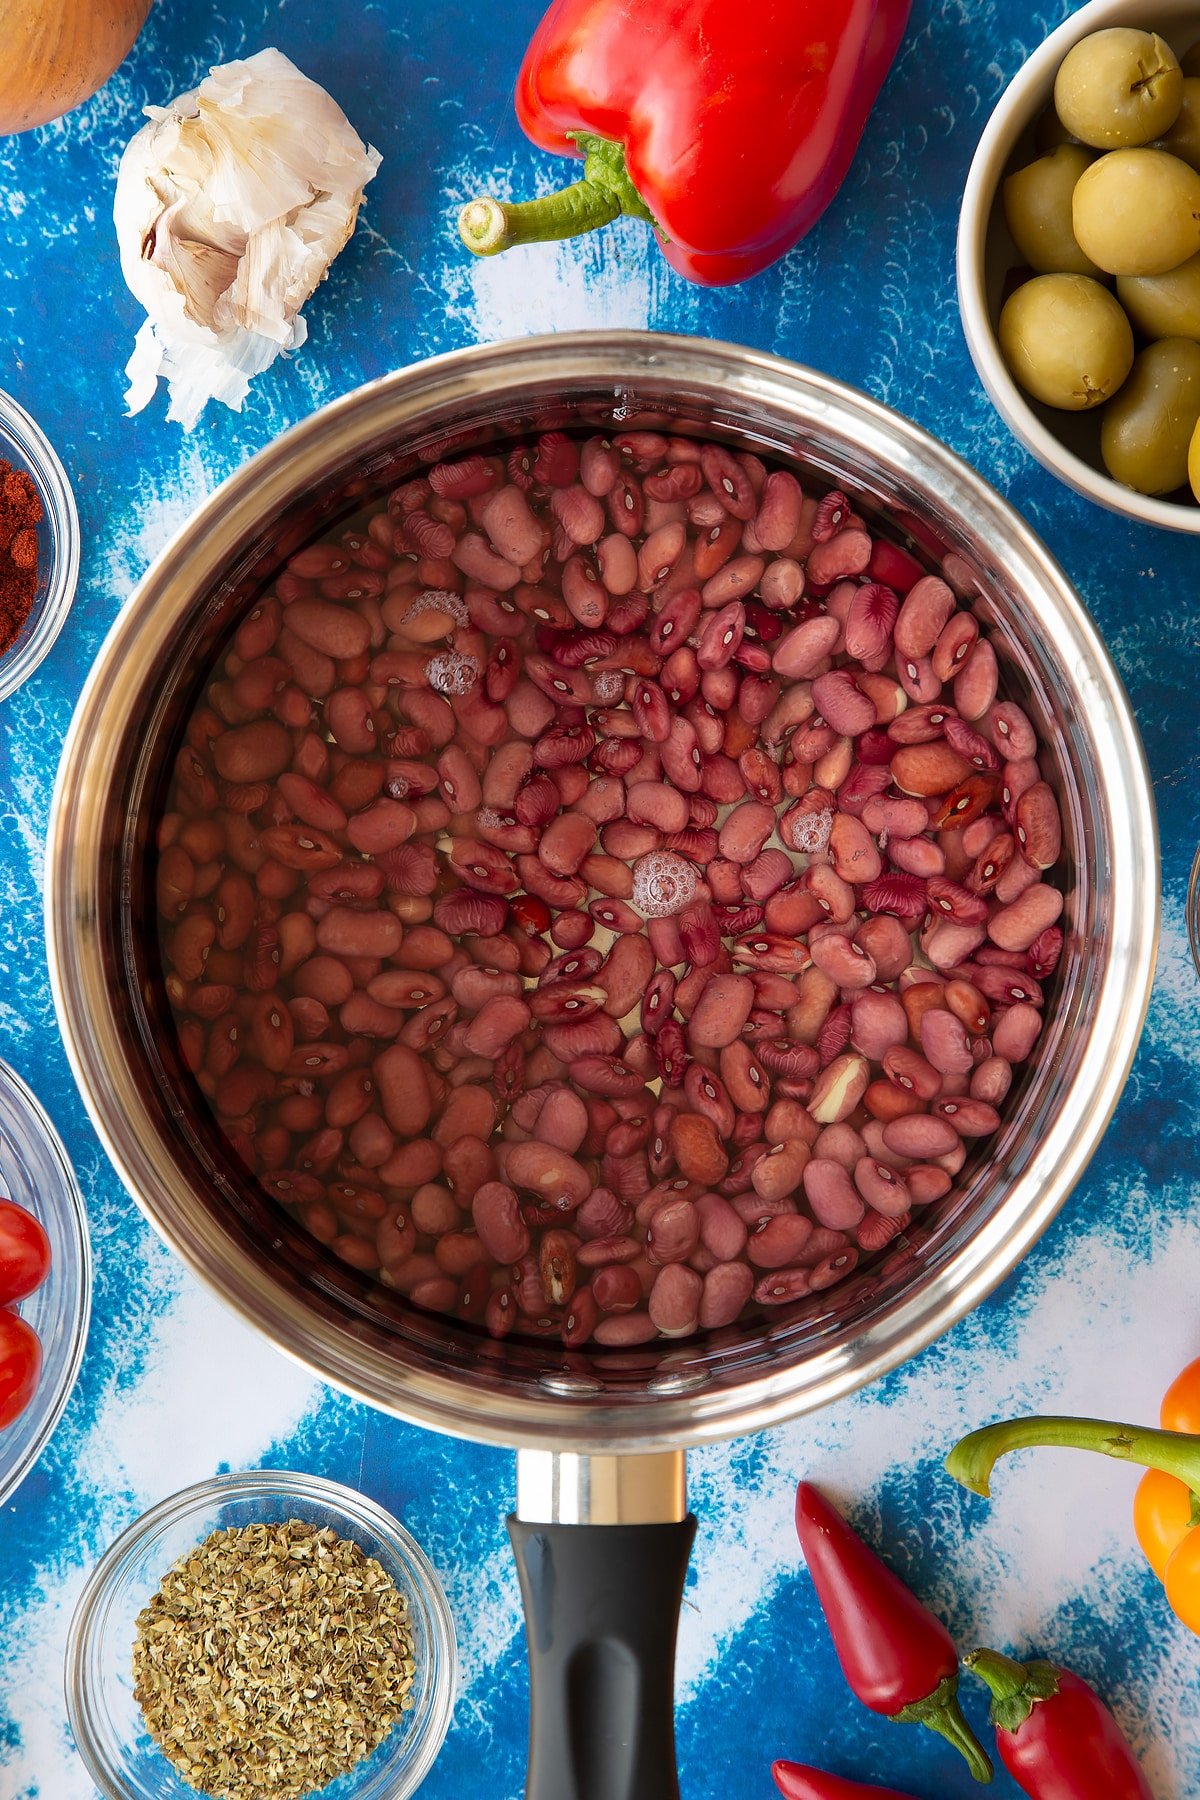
(1180, 1410)
(20, 1365)
(1162, 1517)
(24, 1253)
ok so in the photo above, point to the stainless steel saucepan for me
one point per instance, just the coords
(601, 1528)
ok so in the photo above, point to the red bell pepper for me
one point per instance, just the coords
(1056, 1737)
(796, 1782)
(728, 130)
(897, 1658)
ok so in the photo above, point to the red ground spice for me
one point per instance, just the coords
(20, 511)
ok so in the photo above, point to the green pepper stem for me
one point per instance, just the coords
(942, 1712)
(1173, 1452)
(952, 1725)
(488, 226)
(1016, 1687)
(1003, 1674)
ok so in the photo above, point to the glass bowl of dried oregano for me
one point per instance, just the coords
(259, 1637)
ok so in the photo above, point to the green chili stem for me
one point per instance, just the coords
(1003, 1674)
(1015, 1687)
(1174, 1452)
(942, 1712)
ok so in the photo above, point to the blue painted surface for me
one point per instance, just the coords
(1100, 1315)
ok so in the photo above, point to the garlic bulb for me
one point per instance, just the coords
(230, 206)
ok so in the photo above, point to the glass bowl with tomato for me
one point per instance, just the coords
(45, 1279)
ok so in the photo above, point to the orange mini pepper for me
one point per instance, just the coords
(1166, 1509)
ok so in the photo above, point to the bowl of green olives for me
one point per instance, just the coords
(1079, 257)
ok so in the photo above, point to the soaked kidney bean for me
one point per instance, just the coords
(673, 1230)
(831, 1193)
(1016, 1032)
(726, 1293)
(674, 1304)
(614, 894)
(496, 1212)
(920, 1136)
(779, 1242)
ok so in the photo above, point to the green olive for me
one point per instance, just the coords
(1037, 208)
(1066, 341)
(1147, 428)
(1137, 212)
(1118, 87)
(1183, 139)
(1164, 305)
(1050, 130)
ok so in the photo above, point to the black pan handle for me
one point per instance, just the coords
(601, 1616)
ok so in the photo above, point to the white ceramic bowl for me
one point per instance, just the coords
(1068, 444)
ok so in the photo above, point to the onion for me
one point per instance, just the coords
(54, 54)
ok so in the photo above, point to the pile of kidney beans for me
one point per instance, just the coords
(602, 891)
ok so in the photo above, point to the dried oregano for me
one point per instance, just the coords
(272, 1659)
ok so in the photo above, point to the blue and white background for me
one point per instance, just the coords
(1101, 1314)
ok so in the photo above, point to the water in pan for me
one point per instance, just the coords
(601, 890)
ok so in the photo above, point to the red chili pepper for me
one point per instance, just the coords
(897, 1658)
(728, 133)
(797, 1782)
(1056, 1737)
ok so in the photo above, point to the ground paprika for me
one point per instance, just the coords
(20, 511)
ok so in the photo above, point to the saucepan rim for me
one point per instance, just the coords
(607, 367)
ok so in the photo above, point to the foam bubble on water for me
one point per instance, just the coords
(607, 685)
(662, 884)
(451, 673)
(440, 600)
(812, 833)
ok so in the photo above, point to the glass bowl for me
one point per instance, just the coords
(34, 1172)
(24, 446)
(109, 1731)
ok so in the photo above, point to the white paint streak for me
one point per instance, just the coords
(1173, 1024)
(563, 287)
(613, 279)
(485, 1601)
(162, 504)
(1064, 1344)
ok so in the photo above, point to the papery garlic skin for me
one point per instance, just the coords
(230, 206)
